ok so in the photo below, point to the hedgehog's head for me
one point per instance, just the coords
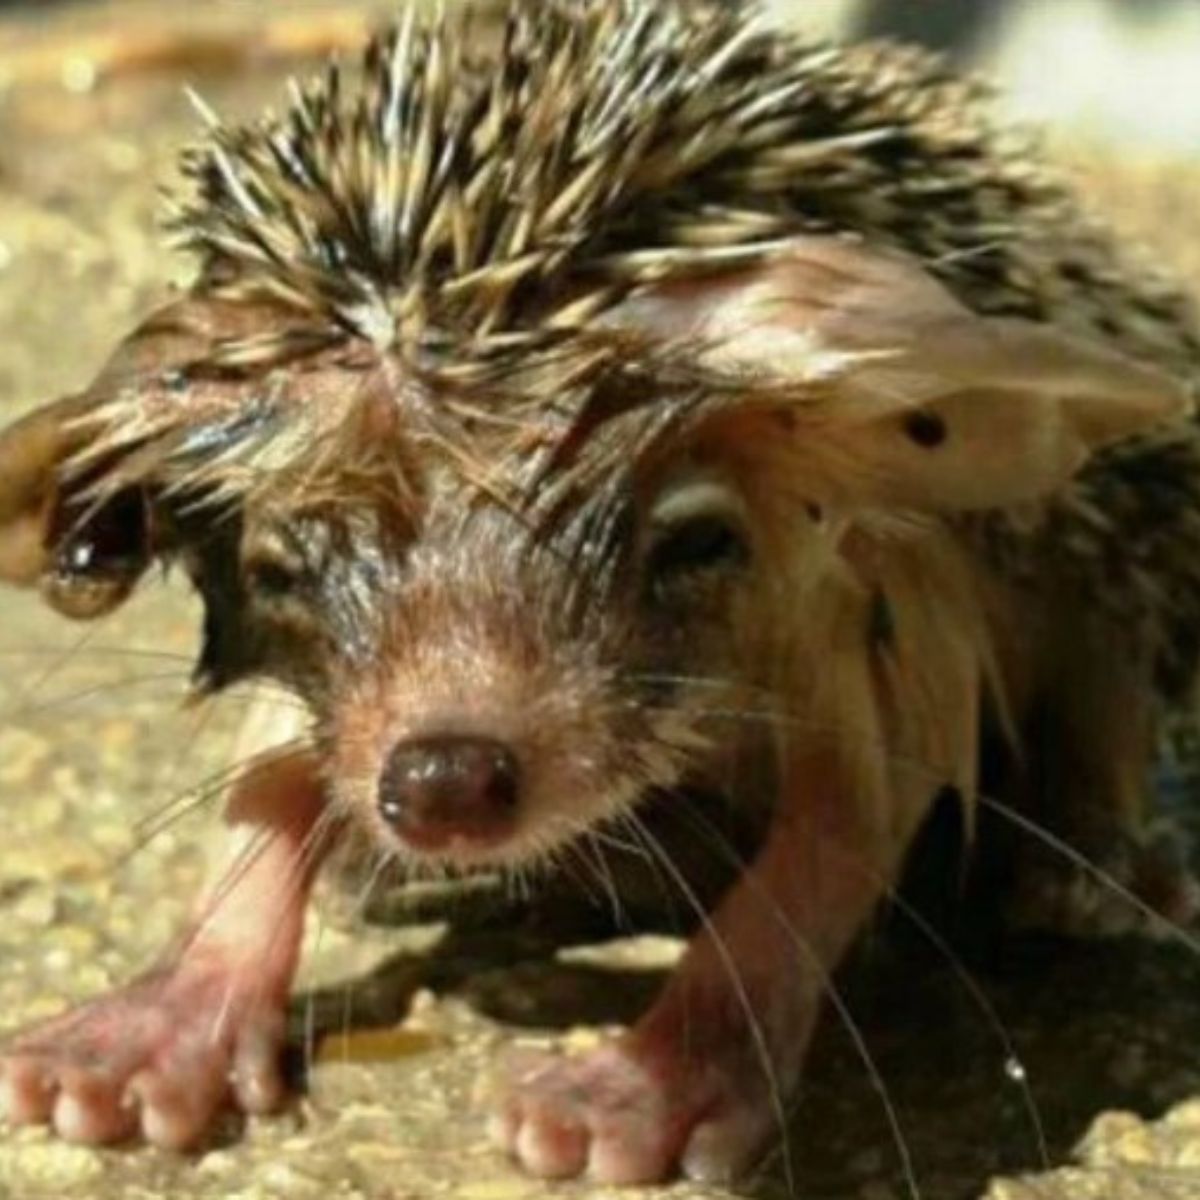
(510, 424)
(519, 593)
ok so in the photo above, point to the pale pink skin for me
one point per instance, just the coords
(699, 1084)
(686, 1088)
(167, 1053)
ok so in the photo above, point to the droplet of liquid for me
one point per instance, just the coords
(1015, 1070)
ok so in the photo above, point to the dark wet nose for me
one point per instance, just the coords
(434, 789)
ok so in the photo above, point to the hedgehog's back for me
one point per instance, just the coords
(466, 202)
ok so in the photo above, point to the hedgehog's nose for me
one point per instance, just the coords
(436, 789)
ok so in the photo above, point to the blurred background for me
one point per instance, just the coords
(1109, 69)
(1127, 70)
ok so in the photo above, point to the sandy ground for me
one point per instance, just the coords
(96, 756)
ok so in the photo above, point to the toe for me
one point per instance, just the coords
(90, 1109)
(257, 1074)
(27, 1091)
(723, 1148)
(551, 1148)
(627, 1156)
(176, 1105)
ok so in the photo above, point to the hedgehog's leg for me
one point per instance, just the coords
(701, 1082)
(166, 1052)
(1107, 866)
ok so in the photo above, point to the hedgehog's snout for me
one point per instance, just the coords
(500, 711)
(439, 790)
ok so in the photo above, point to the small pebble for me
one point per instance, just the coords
(1185, 1116)
(218, 1162)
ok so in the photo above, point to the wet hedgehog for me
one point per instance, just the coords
(642, 403)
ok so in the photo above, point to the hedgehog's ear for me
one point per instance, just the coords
(80, 480)
(84, 553)
(31, 453)
(85, 556)
(904, 396)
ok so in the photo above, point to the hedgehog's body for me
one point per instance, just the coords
(651, 404)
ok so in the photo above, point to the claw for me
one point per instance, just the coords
(614, 1118)
(163, 1056)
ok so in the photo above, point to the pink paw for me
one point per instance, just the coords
(618, 1118)
(163, 1056)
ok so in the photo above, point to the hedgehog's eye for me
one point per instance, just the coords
(696, 531)
(703, 543)
(99, 557)
(274, 573)
(272, 580)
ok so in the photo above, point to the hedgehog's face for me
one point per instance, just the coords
(486, 690)
(513, 620)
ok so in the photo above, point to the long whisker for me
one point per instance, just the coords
(384, 860)
(1174, 931)
(59, 661)
(180, 679)
(1014, 1069)
(592, 867)
(193, 798)
(1171, 929)
(83, 651)
(841, 1007)
(42, 707)
(605, 837)
(729, 963)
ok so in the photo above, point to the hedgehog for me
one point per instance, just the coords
(640, 406)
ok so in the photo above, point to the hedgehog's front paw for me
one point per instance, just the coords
(620, 1115)
(163, 1055)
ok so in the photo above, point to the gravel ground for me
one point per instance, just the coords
(1076, 1056)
